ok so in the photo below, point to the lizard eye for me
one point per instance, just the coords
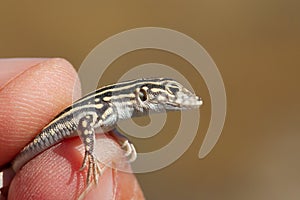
(143, 95)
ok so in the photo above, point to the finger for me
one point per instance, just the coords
(123, 184)
(54, 175)
(11, 67)
(31, 100)
(56, 168)
(128, 187)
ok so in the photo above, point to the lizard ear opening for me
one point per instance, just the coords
(143, 95)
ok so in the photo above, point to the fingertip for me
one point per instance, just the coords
(116, 185)
(128, 187)
(64, 76)
(30, 101)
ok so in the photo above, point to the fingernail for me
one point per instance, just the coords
(104, 189)
(12, 67)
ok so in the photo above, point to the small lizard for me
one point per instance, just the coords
(99, 111)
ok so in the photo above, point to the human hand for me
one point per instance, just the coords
(32, 93)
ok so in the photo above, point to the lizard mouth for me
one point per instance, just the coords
(184, 100)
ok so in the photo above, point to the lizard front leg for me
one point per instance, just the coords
(125, 143)
(87, 136)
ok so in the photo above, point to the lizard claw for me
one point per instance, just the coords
(94, 170)
(129, 151)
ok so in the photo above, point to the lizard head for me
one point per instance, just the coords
(161, 94)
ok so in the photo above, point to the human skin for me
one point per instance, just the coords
(32, 93)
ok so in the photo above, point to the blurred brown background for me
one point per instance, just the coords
(256, 46)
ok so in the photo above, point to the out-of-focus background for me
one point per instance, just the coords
(256, 46)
